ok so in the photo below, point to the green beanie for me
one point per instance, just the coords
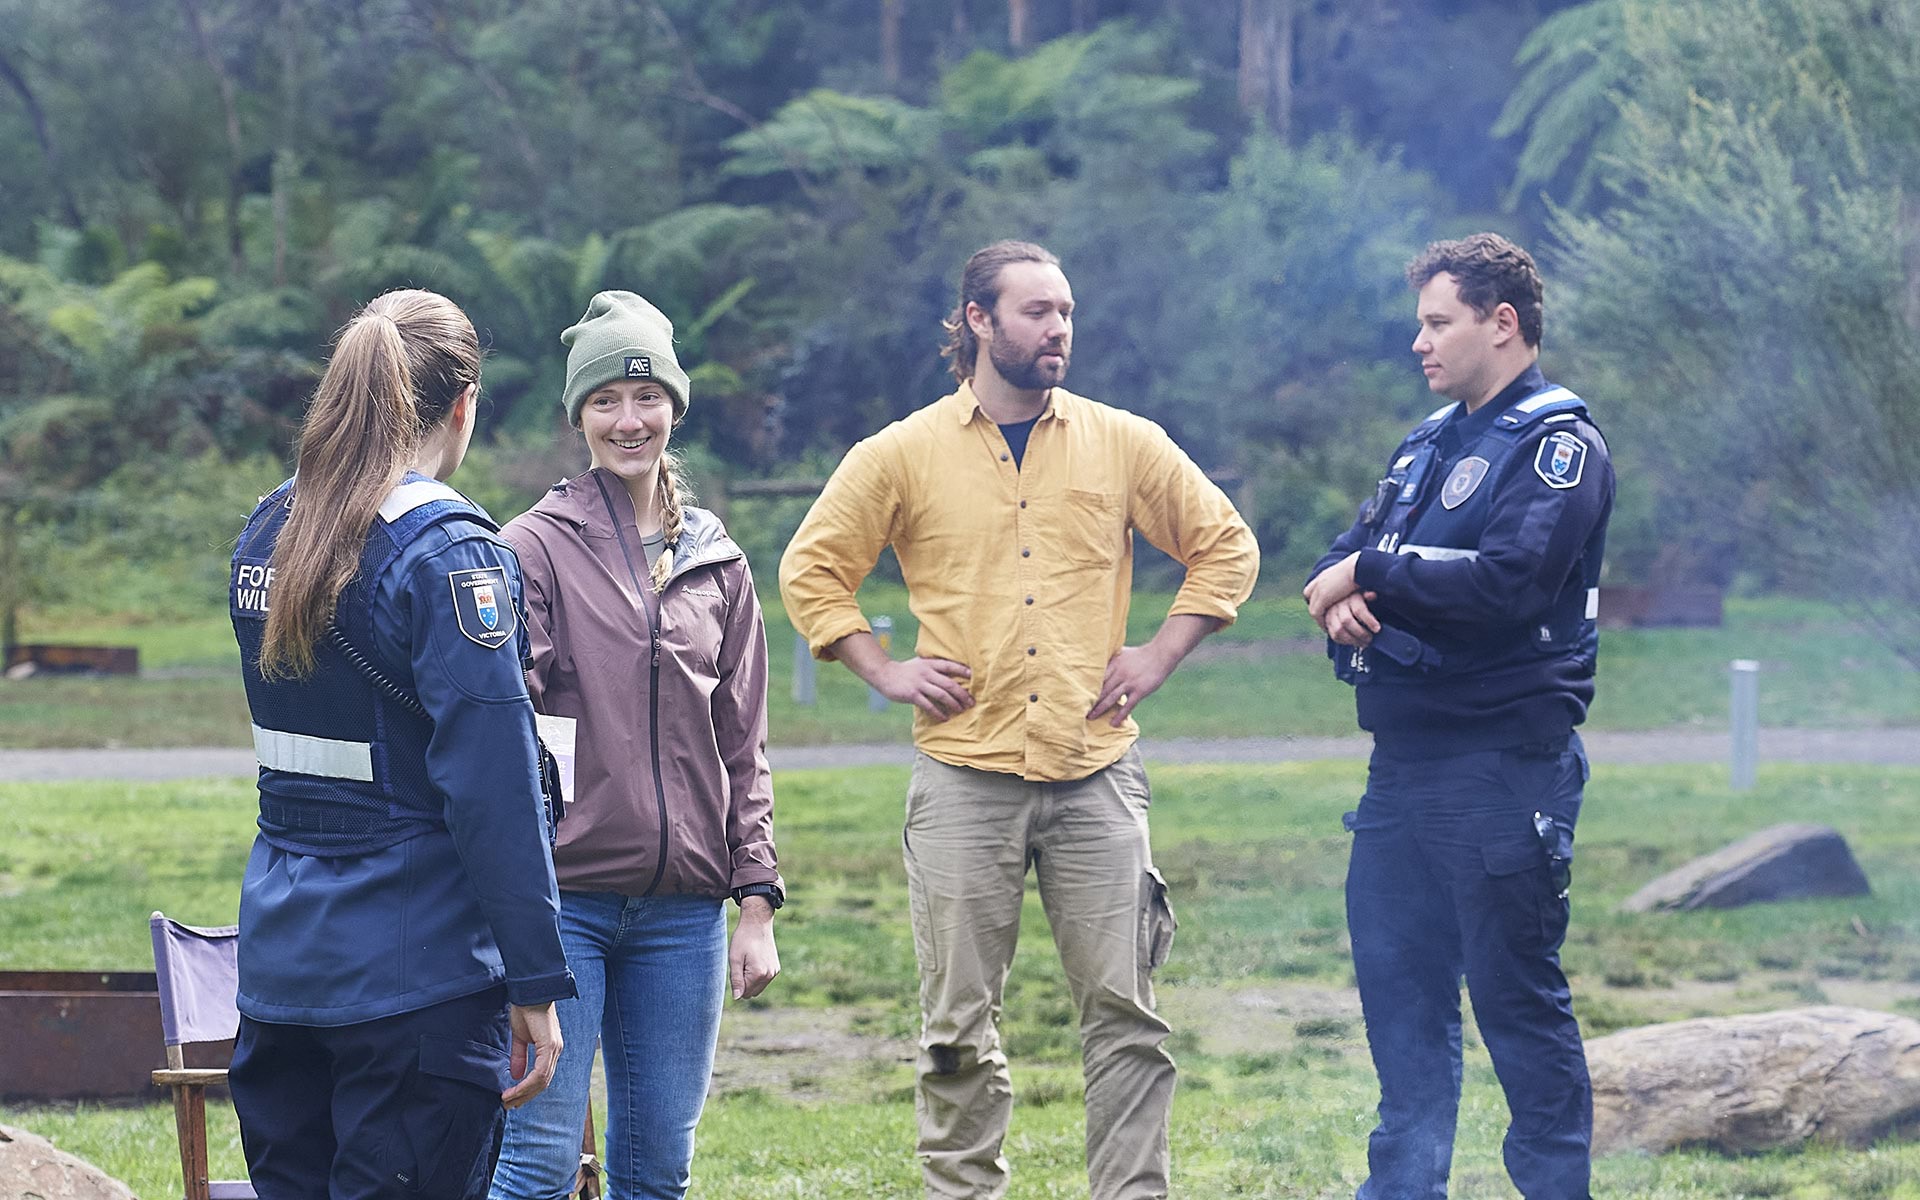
(621, 337)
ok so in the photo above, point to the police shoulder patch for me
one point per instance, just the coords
(1560, 460)
(1464, 481)
(482, 605)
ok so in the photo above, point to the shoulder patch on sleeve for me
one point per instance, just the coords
(483, 605)
(1560, 460)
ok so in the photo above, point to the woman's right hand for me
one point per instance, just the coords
(752, 958)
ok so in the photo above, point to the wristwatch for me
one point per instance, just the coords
(775, 898)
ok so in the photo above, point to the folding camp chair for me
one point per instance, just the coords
(587, 1181)
(199, 976)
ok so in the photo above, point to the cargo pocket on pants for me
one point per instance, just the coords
(439, 1142)
(1522, 883)
(1157, 922)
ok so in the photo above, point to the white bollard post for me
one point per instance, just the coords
(882, 633)
(1744, 714)
(803, 667)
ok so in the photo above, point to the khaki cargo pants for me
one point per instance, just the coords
(970, 837)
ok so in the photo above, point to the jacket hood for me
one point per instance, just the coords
(580, 502)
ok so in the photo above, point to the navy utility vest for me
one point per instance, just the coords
(1406, 516)
(342, 764)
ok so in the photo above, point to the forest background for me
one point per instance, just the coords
(1724, 194)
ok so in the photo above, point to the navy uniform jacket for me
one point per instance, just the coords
(401, 863)
(1483, 547)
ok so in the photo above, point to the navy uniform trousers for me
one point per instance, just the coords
(406, 1106)
(1451, 875)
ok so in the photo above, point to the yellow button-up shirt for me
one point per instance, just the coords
(1023, 573)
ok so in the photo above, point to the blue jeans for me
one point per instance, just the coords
(652, 975)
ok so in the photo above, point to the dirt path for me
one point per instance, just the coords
(1883, 747)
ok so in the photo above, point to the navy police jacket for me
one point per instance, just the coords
(1483, 547)
(402, 861)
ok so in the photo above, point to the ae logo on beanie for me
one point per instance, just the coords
(639, 366)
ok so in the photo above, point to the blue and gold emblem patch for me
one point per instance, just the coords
(1560, 460)
(482, 605)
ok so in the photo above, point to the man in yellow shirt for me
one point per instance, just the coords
(1011, 504)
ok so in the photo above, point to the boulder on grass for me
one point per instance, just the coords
(30, 1166)
(1756, 1082)
(1785, 862)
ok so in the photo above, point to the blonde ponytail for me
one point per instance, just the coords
(674, 495)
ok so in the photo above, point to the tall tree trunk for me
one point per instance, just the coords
(43, 134)
(890, 11)
(1910, 235)
(1266, 62)
(236, 249)
(961, 29)
(1280, 99)
(1017, 23)
(286, 164)
(9, 576)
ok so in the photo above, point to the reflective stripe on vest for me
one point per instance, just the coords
(1439, 553)
(305, 754)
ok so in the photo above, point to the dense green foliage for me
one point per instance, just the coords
(1750, 300)
(198, 191)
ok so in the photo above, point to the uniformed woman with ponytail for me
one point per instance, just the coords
(399, 944)
(646, 631)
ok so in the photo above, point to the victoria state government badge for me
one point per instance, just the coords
(482, 605)
(1560, 460)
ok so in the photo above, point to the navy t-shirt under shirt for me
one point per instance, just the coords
(1016, 435)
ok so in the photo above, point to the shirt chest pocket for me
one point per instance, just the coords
(1093, 527)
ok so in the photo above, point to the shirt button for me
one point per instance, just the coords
(1029, 599)
(1033, 649)
(1033, 697)
(1023, 504)
(1005, 457)
(1025, 553)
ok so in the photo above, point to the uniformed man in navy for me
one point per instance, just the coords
(1461, 607)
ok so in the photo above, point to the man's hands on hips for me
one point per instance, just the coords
(935, 686)
(1339, 607)
(1133, 674)
(535, 1029)
(1136, 672)
(932, 685)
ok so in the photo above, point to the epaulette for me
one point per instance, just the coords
(1541, 406)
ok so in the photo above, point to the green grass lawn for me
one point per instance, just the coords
(1264, 676)
(1276, 1087)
